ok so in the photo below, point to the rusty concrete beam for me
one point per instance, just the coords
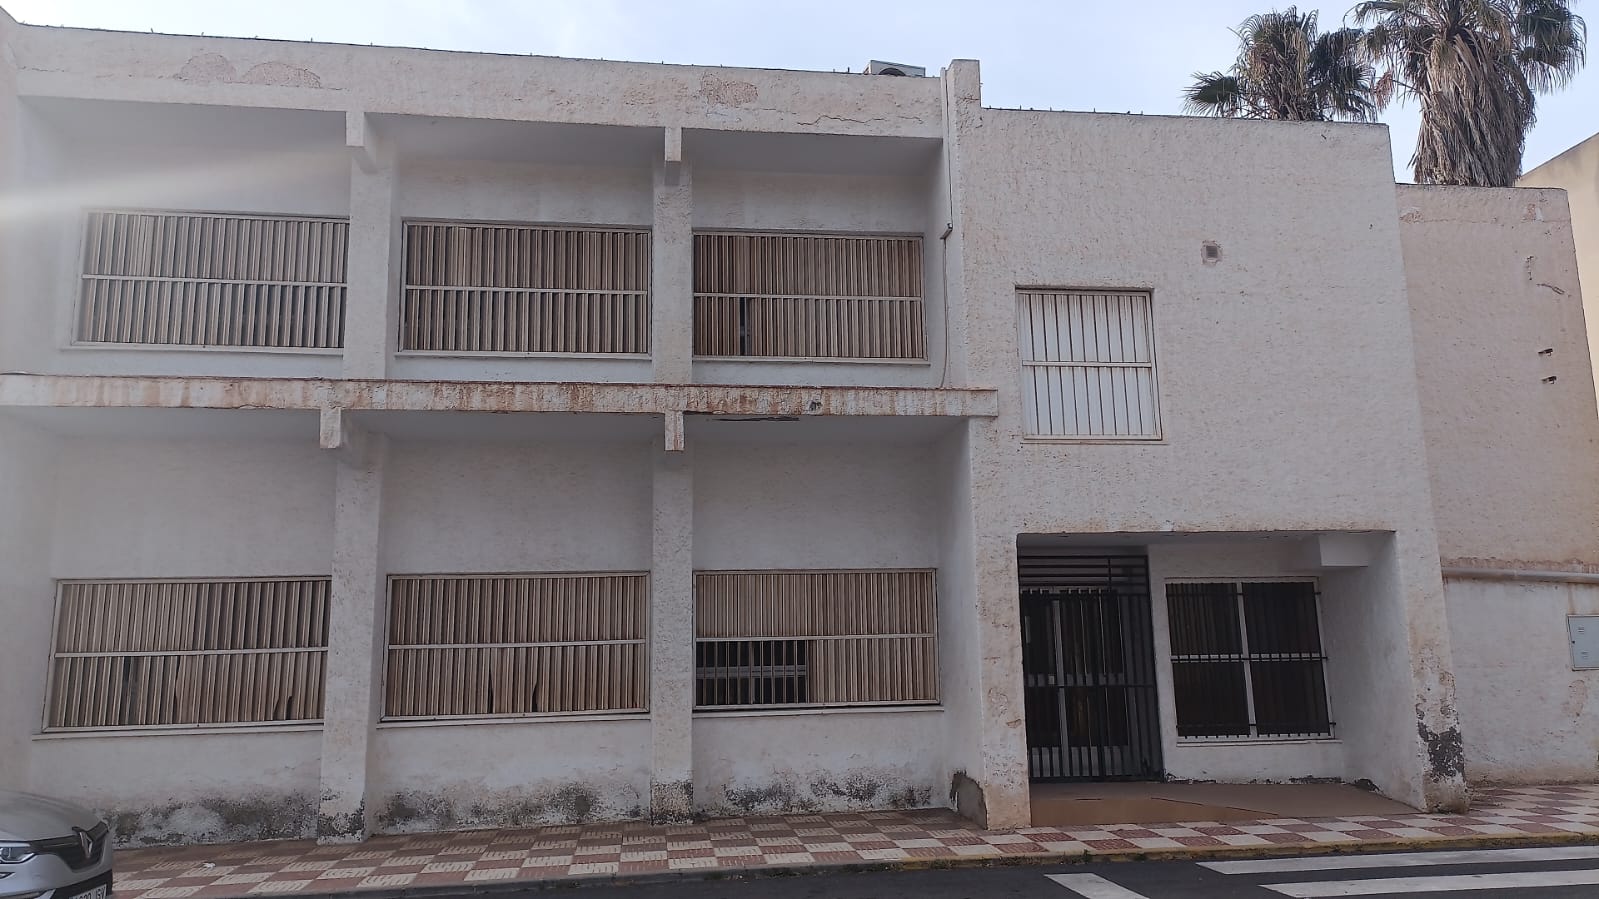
(314, 394)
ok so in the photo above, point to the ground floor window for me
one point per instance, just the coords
(161, 653)
(814, 638)
(1247, 660)
(515, 645)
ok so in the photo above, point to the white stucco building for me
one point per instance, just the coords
(396, 440)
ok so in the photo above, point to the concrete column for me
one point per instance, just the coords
(672, 274)
(27, 595)
(672, 639)
(978, 615)
(12, 334)
(373, 269)
(353, 697)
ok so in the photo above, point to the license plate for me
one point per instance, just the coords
(98, 892)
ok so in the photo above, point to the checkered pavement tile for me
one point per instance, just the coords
(634, 848)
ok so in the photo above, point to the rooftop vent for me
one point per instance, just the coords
(879, 67)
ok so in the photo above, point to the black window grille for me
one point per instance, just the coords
(1247, 660)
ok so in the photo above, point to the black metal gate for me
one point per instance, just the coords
(1088, 661)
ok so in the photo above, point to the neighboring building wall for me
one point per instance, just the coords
(1513, 441)
(1507, 391)
(1286, 373)
(1576, 171)
(1526, 715)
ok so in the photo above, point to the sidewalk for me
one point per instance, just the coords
(529, 858)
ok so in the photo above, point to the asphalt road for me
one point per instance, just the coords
(1569, 872)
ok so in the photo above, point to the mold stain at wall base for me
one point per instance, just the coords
(215, 820)
(345, 827)
(418, 811)
(860, 790)
(1446, 756)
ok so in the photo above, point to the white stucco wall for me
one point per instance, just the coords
(1287, 378)
(823, 505)
(1506, 382)
(191, 508)
(511, 774)
(1576, 171)
(806, 763)
(539, 507)
(1527, 716)
(188, 788)
(512, 87)
(152, 508)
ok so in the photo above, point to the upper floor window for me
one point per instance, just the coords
(808, 296)
(814, 638)
(1088, 364)
(188, 652)
(202, 279)
(481, 288)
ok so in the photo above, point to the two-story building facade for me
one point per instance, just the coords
(399, 440)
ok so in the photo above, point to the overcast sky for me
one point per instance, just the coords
(1056, 54)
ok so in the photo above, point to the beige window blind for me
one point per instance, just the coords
(808, 296)
(1088, 364)
(187, 652)
(481, 288)
(201, 279)
(815, 638)
(515, 645)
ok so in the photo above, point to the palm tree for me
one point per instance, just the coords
(1476, 67)
(1287, 70)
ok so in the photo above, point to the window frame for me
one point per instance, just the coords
(1247, 659)
(52, 687)
(821, 707)
(1157, 434)
(80, 276)
(405, 287)
(921, 336)
(385, 719)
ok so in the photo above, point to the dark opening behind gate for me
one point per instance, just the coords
(1088, 663)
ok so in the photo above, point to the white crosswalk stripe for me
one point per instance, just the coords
(1521, 880)
(1092, 886)
(1403, 860)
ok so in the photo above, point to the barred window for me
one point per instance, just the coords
(205, 279)
(515, 645)
(808, 296)
(1088, 364)
(1247, 660)
(815, 638)
(487, 288)
(187, 652)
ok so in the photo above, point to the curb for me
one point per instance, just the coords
(578, 881)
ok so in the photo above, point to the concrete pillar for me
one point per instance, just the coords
(27, 594)
(672, 275)
(979, 636)
(373, 269)
(353, 699)
(672, 639)
(12, 334)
